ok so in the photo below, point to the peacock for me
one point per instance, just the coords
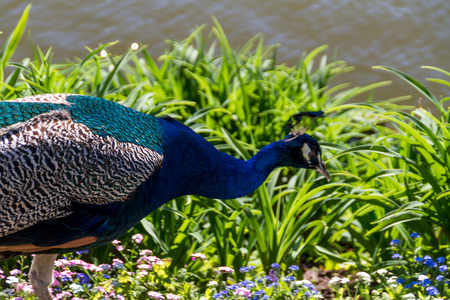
(78, 171)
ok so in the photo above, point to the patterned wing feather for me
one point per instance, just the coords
(52, 164)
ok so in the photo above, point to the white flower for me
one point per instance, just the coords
(363, 274)
(76, 288)
(382, 271)
(392, 280)
(375, 292)
(365, 277)
(422, 277)
(12, 279)
(409, 296)
(302, 282)
(213, 283)
(335, 281)
(317, 296)
(345, 280)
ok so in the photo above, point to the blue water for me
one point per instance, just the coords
(404, 34)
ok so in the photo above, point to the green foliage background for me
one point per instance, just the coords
(389, 165)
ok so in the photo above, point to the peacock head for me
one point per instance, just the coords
(302, 150)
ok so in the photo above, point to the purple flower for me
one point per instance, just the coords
(395, 242)
(272, 275)
(244, 269)
(396, 256)
(412, 284)
(430, 263)
(432, 291)
(427, 257)
(217, 296)
(414, 235)
(294, 268)
(275, 265)
(426, 282)
(439, 277)
(233, 287)
(443, 268)
(248, 284)
(440, 260)
(289, 278)
(400, 280)
(419, 259)
(82, 252)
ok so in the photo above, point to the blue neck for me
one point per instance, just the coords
(192, 166)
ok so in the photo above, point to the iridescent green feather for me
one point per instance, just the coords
(101, 116)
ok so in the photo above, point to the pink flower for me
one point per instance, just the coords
(14, 272)
(76, 262)
(27, 288)
(194, 256)
(56, 282)
(145, 252)
(67, 274)
(152, 260)
(61, 263)
(155, 295)
(94, 268)
(116, 242)
(111, 294)
(142, 273)
(144, 266)
(119, 248)
(242, 291)
(117, 263)
(226, 269)
(172, 297)
(62, 295)
(137, 238)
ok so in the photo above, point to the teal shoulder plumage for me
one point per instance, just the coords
(123, 123)
(102, 117)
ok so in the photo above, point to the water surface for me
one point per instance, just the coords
(404, 34)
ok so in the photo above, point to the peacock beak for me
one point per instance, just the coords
(323, 170)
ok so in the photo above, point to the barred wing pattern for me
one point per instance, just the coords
(49, 162)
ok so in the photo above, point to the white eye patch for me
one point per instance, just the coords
(305, 151)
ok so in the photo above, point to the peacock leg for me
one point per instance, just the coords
(41, 274)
